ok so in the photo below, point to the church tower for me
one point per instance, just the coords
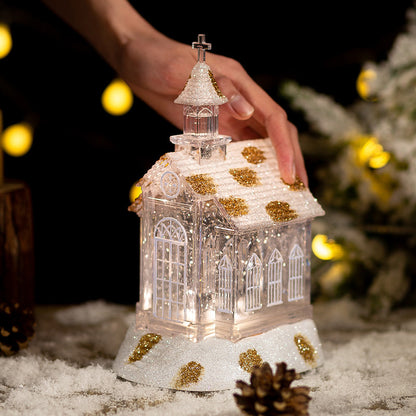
(201, 98)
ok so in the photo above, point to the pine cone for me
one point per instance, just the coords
(270, 394)
(17, 327)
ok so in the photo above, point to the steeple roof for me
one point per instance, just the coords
(201, 88)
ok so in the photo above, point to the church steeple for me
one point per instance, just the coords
(202, 46)
(201, 98)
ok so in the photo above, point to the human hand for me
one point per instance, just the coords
(157, 71)
(156, 68)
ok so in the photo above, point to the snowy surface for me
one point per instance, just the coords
(369, 368)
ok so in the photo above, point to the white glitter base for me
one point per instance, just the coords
(219, 357)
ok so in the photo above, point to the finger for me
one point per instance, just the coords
(280, 135)
(299, 161)
(237, 104)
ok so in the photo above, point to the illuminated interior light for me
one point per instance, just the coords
(117, 98)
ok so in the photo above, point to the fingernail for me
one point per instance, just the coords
(241, 106)
(293, 172)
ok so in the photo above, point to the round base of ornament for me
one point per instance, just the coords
(214, 364)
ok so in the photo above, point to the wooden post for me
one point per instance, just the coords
(16, 240)
(16, 245)
(1, 151)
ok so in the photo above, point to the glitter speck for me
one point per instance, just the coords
(280, 211)
(215, 85)
(146, 343)
(298, 185)
(234, 206)
(306, 349)
(253, 154)
(188, 374)
(250, 359)
(245, 176)
(202, 184)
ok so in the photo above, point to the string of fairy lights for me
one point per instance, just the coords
(117, 99)
(369, 154)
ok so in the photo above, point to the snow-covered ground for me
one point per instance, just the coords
(369, 368)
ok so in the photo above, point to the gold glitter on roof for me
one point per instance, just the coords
(298, 185)
(202, 184)
(234, 206)
(188, 374)
(280, 211)
(253, 154)
(250, 359)
(245, 176)
(146, 343)
(215, 85)
(306, 349)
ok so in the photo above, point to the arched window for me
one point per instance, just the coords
(169, 271)
(201, 120)
(296, 274)
(225, 285)
(253, 281)
(274, 278)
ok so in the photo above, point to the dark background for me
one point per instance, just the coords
(84, 161)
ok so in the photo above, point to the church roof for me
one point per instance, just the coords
(246, 186)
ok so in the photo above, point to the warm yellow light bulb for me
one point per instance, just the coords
(372, 153)
(117, 98)
(6, 42)
(135, 192)
(363, 83)
(369, 149)
(17, 139)
(379, 161)
(326, 249)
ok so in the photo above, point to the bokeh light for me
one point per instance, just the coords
(373, 154)
(326, 249)
(17, 139)
(135, 192)
(363, 84)
(117, 98)
(6, 42)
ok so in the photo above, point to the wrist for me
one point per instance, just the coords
(124, 27)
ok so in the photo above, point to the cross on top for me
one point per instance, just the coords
(202, 46)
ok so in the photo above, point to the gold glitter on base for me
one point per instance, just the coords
(146, 343)
(234, 206)
(253, 155)
(202, 184)
(306, 349)
(245, 176)
(250, 359)
(280, 211)
(188, 374)
(298, 185)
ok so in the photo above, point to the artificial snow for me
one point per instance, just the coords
(218, 357)
(369, 368)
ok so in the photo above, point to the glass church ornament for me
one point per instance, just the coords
(225, 253)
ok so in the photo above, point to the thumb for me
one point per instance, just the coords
(239, 107)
